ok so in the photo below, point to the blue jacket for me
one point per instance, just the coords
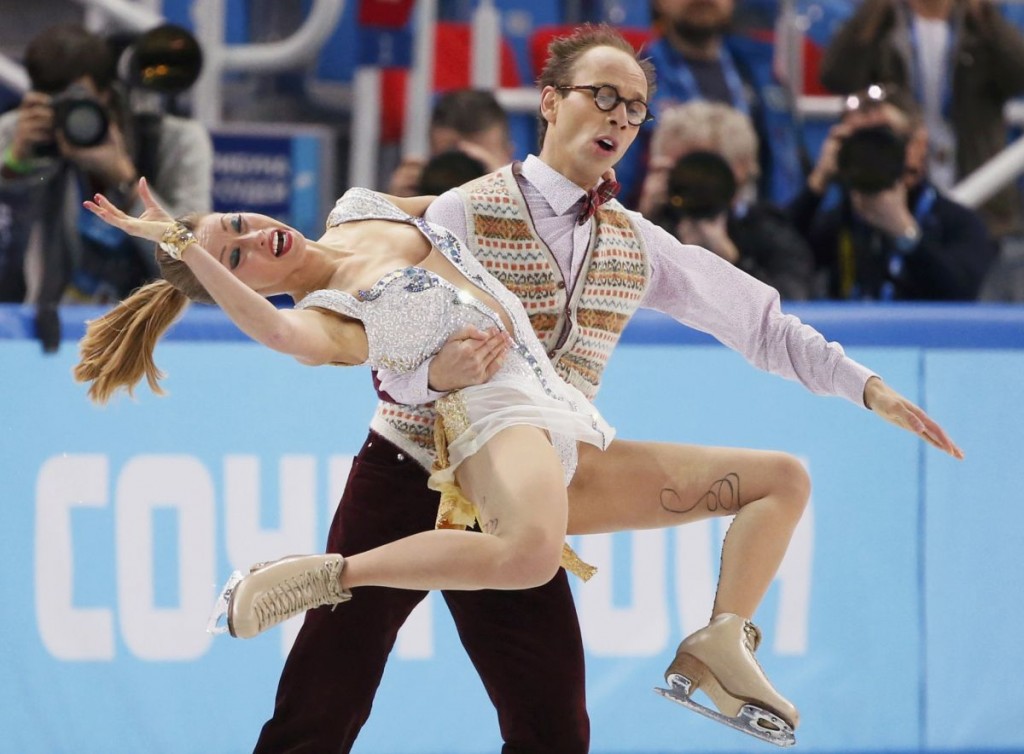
(764, 99)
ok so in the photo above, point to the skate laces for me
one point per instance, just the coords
(312, 588)
(751, 636)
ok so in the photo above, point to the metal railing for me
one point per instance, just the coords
(323, 17)
(302, 46)
(219, 57)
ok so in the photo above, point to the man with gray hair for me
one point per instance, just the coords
(701, 186)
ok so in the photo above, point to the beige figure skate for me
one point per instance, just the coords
(273, 592)
(719, 660)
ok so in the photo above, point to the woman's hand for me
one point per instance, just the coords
(151, 224)
(893, 407)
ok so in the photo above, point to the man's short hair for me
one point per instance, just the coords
(447, 170)
(468, 111)
(67, 52)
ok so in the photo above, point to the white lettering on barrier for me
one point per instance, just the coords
(697, 550)
(639, 629)
(643, 628)
(794, 579)
(67, 632)
(181, 484)
(247, 542)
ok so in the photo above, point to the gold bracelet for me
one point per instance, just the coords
(176, 239)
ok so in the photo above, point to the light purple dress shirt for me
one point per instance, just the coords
(689, 283)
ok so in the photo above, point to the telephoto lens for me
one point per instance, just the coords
(80, 117)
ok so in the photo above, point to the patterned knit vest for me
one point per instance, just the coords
(579, 330)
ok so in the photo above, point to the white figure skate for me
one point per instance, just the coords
(273, 592)
(719, 660)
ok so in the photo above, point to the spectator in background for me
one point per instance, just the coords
(469, 120)
(892, 235)
(58, 252)
(697, 58)
(701, 186)
(961, 60)
(447, 171)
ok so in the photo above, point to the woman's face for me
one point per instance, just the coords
(258, 250)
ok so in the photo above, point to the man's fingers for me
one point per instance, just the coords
(928, 429)
(470, 333)
(495, 348)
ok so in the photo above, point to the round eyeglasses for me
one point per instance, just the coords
(607, 98)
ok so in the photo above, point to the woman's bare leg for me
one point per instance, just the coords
(649, 485)
(645, 485)
(517, 483)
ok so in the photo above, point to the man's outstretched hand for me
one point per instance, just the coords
(894, 408)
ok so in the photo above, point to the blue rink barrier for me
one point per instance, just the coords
(893, 623)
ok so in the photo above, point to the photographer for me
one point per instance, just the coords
(448, 170)
(961, 60)
(471, 121)
(701, 187)
(891, 235)
(71, 137)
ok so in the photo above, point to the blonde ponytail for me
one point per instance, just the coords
(117, 349)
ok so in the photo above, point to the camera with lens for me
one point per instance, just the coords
(163, 61)
(80, 116)
(871, 159)
(701, 186)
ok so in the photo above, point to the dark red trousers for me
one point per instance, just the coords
(526, 645)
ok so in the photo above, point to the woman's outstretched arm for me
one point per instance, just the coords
(312, 337)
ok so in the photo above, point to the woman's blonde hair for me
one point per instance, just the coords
(117, 349)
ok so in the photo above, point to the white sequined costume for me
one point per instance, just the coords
(410, 313)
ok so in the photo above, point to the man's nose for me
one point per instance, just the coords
(618, 115)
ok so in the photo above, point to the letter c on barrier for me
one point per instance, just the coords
(67, 632)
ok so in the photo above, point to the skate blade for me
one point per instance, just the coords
(752, 720)
(218, 622)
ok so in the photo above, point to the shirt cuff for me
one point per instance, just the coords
(407, 388)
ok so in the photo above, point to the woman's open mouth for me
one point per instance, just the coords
(282, 241)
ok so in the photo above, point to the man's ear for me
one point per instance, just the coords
(549, 100)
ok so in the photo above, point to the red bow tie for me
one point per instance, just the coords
(595, 198)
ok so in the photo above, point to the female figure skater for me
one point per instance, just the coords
(385, 288)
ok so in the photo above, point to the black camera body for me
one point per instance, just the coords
(701, 186)
(871, 159)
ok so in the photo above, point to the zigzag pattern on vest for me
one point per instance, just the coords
(502, 237)
(613, 282)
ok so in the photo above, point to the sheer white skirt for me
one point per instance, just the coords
(473, 415)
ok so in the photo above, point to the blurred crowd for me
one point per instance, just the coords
(867, 215)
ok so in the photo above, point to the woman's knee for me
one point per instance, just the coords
(531, 561)
(792, 480)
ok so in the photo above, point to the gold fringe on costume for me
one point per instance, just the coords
(456, 511)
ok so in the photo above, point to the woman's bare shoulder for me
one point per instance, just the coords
(411, 205)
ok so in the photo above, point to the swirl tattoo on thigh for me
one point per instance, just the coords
(723, 495)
